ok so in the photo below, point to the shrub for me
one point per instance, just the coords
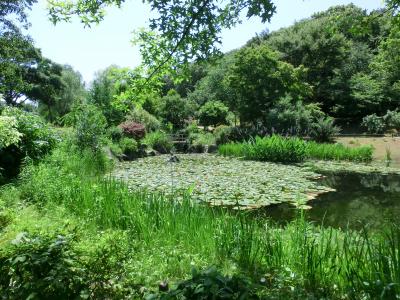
(128, 146)
(222, 134)
(324, 130)
(90, 126)
(9, 134)
(40, 267)
(175, 110)
(288, 117)
(133, 129)
(210, 284)
(22, 135)
(213, 113)
(159, 141)
(204, 138)
(374, 124)
(392, 119)
(141, 116)
(115, 133)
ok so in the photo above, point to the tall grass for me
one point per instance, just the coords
(339, 152)
(274, 148)
(281, 149)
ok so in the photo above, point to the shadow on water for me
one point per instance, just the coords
(372, 199)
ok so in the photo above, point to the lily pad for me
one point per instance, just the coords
(223, 181)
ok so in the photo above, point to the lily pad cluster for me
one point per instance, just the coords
(223, 181)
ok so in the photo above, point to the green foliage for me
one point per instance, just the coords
(181, 32)
(89, 126)
(9, 134)
(141, 116)
(277, 148)
(210, 284)
(175, 109)
(35, 139)
(259, 79)
(159, 141)
(274, 148)
(72, 93)
(374, 124)
(115, 133)
(392, 119)
(324, 130)
(110, 92)
(222, 134)
(339, 152)
(128, 146)
(40, 267)
(291, 117)
(213, 113)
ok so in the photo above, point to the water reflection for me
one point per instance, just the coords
(359, 199)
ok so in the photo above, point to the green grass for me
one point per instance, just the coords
(158, 239)
(287, 150)
(274, 148)
(339, 152)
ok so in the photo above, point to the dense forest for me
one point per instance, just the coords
(110, 189)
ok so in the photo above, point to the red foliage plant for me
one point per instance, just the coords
(133, 129)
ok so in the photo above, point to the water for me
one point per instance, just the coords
(372, 199)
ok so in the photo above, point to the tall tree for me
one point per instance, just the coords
(259, 80)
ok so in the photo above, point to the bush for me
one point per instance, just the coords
(210, 284)
(323, 130)
(213, 113)
(288, 117)
(374, 124)
(133, 130)
(392, 119)
(115, 133)
(222, 134)
(90, 126)
(141, 116)
(129, 147)
(159, 141)
(22, 135)
(176, 110)
(40, 267)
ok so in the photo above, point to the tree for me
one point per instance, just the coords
(181, 31)
(70, 92)
(213, 113)
(107, 86)
(175, 110)
(259, 80)
(18, 57)
(214, 86)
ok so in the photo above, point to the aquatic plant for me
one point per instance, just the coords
(288, 150)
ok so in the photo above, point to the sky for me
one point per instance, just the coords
(89, 50)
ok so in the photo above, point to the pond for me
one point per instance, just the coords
(360, 198)
(361, 194)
